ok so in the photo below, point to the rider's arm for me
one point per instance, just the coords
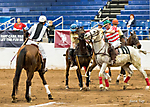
(29, 31)
(112, 31)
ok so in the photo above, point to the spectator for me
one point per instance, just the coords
(131, 22)
(51, 28)
(19, 25)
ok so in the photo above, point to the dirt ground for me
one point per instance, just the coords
(134, 96)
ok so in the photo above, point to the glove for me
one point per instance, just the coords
(104, 31)
(106, 40)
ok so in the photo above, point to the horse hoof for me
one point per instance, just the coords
(106, 88)
(50, 97)
(87, 89)
(110, 80)
(28, 99)
(147, 88)
(13, 99)
(101, 87)
(81, 88)
(67, 87)
(117, 82)
(125, 86)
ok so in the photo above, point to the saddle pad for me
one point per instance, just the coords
(123, 50)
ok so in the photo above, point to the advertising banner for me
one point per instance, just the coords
(11, 38)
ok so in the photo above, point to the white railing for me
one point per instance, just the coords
(61, 23)
(8, 22)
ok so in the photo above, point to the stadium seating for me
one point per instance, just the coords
(82, 10)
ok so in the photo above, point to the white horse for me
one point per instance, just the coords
(103, 58)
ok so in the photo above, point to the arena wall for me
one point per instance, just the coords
(55, 57)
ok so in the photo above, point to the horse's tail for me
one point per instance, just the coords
(142, 51)
(19, 65)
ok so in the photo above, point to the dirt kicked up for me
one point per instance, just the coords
(134, 96)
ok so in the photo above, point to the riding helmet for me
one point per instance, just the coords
(115, 22)
(73, 27)
(106, 22)
(42, 19)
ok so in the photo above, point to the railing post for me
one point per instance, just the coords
(62, 22)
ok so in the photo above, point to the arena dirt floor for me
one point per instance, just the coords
(134, 96)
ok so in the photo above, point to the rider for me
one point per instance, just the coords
(123, 43)
(36, 33)
(74, 42)
(112, 36)
(122, 37)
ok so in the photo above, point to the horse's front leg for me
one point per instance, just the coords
(79, 78)
(28, 85)
(67, 73)
(91, 68)
(102, 70)
(46, 86)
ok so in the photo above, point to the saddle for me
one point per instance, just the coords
(119, 50)
(39, 52)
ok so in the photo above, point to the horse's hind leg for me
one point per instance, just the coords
(144, 74)
(28, 85)
(119, 76)
(127, 68)
(15, 84)
(46, 86)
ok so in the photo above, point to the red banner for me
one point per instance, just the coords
(62, 39)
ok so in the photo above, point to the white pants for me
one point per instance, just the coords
(41, 49)
(116, 44)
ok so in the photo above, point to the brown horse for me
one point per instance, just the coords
(131, 41)
(29, 58)
(82, 58)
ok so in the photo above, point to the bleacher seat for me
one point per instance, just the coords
(137, 7)
(137, 17)
(135, 12)
(138, 2)
(77, 3)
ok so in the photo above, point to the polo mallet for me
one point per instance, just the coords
(79, 66)
(17, 51)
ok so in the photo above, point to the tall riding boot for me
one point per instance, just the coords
(113, 54)
(44, 69)
(71, 57)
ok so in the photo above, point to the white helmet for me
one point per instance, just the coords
(42, 19)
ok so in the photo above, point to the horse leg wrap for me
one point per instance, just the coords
(47, 89)
(147, 81)
(119, 76)
(100, 80)
(106, 83)
(127, 79)
(85, 69)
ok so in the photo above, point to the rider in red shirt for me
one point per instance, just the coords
(19, 25)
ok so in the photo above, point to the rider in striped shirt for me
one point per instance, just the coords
(112, 35)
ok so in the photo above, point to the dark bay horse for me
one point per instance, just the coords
(82, 58)
(29, 58)
(131, 41)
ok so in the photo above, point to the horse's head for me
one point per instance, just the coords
(81, 33)
(93, 35)
(133, 40)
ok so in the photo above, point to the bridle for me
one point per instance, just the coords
(96, 42)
